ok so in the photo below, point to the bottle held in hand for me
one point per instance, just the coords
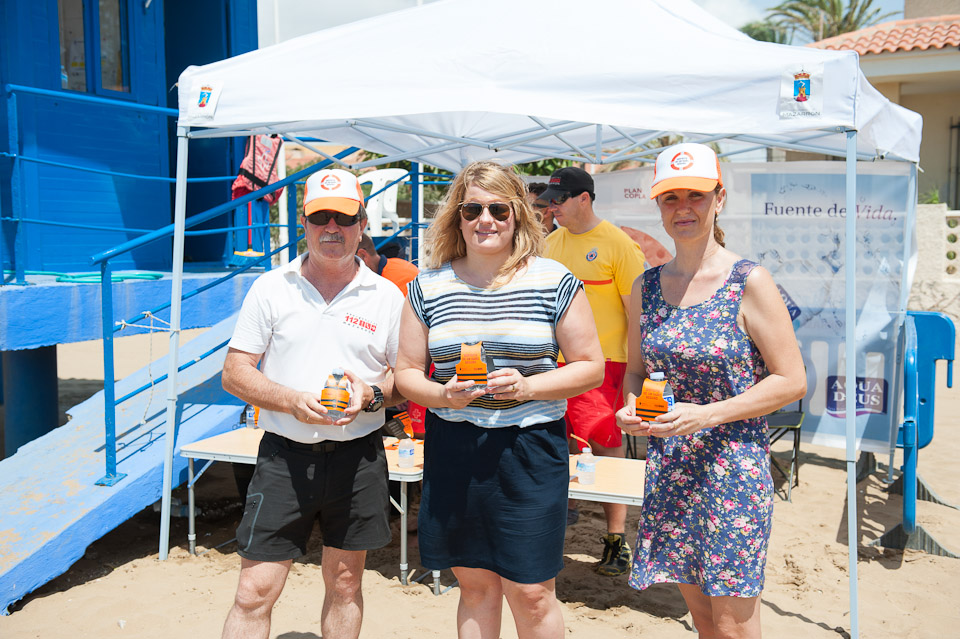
(474, 364)
(335, 396)
(656, 397)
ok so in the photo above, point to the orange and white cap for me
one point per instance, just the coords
(332, 190)
(686, 166)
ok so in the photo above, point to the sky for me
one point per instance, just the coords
(299, 17)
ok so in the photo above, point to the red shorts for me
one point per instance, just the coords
(591, 415)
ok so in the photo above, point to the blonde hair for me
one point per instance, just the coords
(445, 239)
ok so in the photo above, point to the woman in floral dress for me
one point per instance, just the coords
(716, 326)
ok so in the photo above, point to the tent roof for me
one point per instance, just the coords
(456, 81)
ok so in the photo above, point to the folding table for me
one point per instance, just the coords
(618, 480)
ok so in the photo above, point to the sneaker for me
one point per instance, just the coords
(572, 516)
(616, 556)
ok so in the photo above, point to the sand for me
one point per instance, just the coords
(120, 588)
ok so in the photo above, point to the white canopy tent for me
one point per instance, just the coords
(457, 81)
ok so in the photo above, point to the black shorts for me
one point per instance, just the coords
(344, 489)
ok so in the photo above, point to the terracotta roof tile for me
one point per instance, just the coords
(934, 32)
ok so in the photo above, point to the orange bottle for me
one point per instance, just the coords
(472, 366)
(656, 397)
(335, 396)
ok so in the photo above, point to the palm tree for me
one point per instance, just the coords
(766, 31)
(819, 19)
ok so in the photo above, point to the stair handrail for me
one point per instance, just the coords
(103, 258)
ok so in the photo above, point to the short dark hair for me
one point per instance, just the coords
(536, 187)
(367, 244)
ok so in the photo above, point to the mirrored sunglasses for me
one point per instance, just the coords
(322, 218)
(558, 201)
(472, 210)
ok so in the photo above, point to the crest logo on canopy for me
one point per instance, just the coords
(205, 94)
(801, 86)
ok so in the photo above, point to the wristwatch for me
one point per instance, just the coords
(377, 402)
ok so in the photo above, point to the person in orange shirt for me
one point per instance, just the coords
(398, 271)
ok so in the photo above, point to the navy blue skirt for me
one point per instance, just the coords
(494, 498)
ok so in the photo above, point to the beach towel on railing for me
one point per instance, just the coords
(259, 166)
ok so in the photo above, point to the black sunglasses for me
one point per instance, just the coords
(472, 210)
(540, 205)
(322, 218)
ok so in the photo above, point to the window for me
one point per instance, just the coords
(98, 35)
(73, 58)
(113, 47)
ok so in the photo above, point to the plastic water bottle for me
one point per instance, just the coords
(587, 467)
(335, 396)
(405, 452)
(667, 391)
(250, 416)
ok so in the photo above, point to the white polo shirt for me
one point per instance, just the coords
(302, 339)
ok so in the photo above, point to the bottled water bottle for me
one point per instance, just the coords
(667, 391)
(250, 416)
(405, 452)
(587, 467)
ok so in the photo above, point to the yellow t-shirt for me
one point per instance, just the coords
(607, 261)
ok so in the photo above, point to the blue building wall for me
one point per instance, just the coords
(161, 39)
(99, 136)
(197, 34)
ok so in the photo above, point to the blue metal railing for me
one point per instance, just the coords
(109, 327)
(104, 258)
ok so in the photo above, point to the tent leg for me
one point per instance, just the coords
(180, 209)
(850, 268)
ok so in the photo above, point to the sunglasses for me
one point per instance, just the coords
(540, 206)
(472, 210)
(560, 200)
(322, 218)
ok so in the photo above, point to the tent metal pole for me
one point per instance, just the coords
(180, 210)
(598, 150)
(282, 212)
(850, 381)
(416, 212)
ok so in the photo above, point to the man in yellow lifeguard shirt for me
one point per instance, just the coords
(607, 261)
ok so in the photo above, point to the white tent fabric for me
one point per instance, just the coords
(457, 81)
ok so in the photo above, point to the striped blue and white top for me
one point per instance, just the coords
(517, 324)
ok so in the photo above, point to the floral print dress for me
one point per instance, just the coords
(708, 496)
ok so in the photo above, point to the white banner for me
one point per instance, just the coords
(790, 218)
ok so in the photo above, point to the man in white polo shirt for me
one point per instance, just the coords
(325, 310)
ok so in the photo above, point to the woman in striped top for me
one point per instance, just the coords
(496, 464)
